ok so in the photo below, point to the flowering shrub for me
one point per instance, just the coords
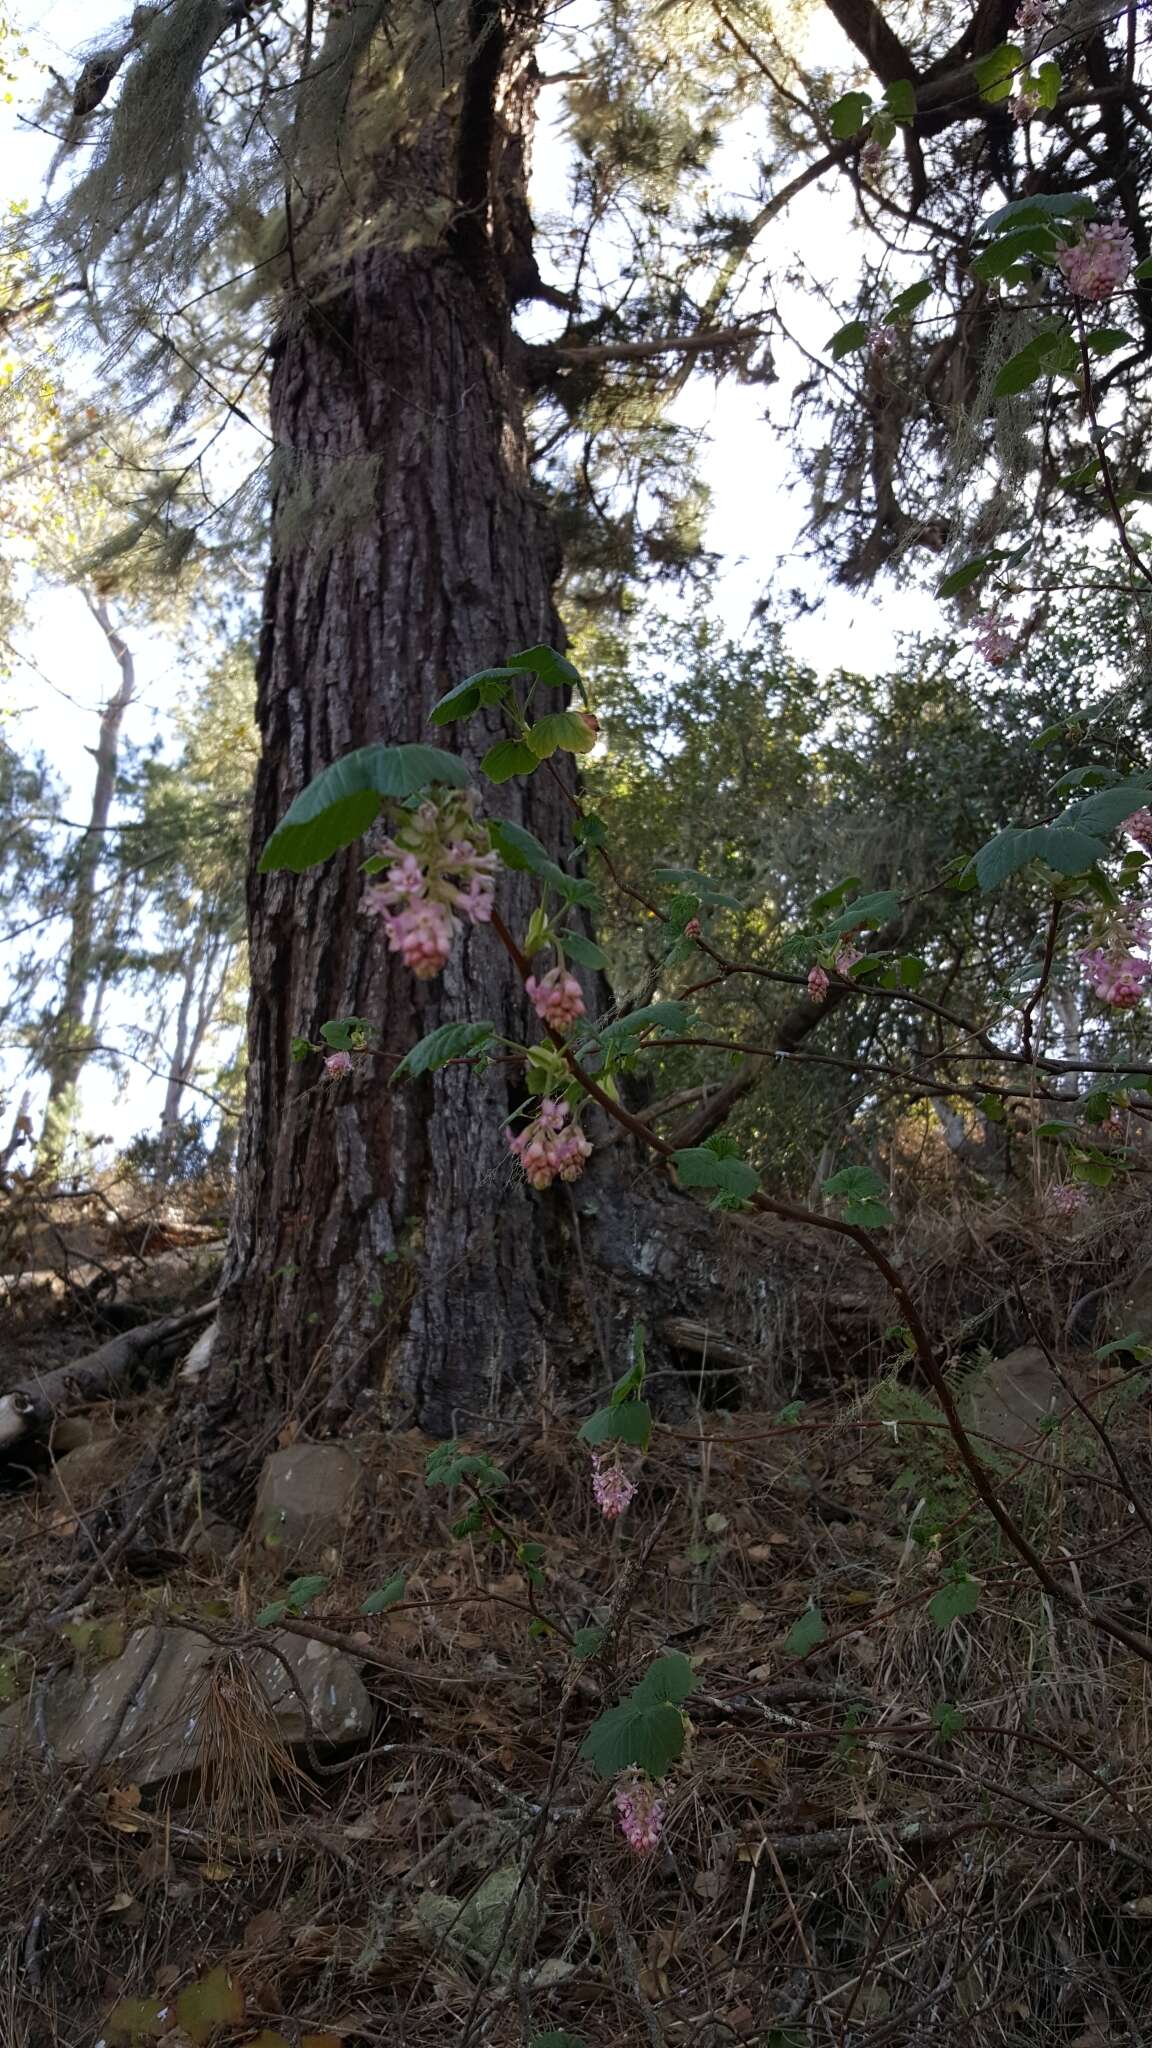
(552, 1147)
(438, 869)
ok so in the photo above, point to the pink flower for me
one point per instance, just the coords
(1032, 16)
(423, 937)
(1099, 262)
(692, 928)
(818, 984)
(993, 639)
(640, 1811)
(338, 1063)
(846, 958)
(440, 865)
(1139, 828)
(871, 158)
(1064, 1198)
(1117, 978)
(881, 342)
(550, 1147)
(1025, 103)
(611, 1486)
(557, 998)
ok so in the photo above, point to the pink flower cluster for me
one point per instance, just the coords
(557, 998)
(1024, 103)
(1099, 262)
(442, 870)
(1115, 970)
(1139, 828)
(1064, 1198)
(551, 1147)
(818, 983)
(338, 1063)
(612, 1489)
(994, 640)
(640, 1811)
(847, 957)
(1033, 16)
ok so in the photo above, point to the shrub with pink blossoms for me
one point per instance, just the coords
(552, 1147)
(1033, 16)
(556, 997)
(1096, 265)
(338, 1063)
(1139, 828)
(1116, 969)
(612, 1489)
(994, 640)
(818, 983)
(640, 1811)
(1064, 1198)
(441, 870)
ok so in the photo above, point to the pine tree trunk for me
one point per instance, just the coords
(380, 1239)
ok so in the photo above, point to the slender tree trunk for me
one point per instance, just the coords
(70, 1038)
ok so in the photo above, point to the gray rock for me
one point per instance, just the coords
(142, 1714)
(84, 1477)
(305, 1497)
(1009, 1400)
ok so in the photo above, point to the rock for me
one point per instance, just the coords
(305, 1497)
(1010, 1398)
(142, 1713)
(211, 1538)
(82, 1478)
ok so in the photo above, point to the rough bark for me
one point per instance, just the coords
(380, 1238)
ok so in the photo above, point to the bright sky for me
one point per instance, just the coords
(753, 526)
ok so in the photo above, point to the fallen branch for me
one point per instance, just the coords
(31, 1407)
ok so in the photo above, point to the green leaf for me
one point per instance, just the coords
(586, 1641)
(1082, 778)
(630, 1422)
(961, 1596)
(708, 891)
(487, 686)
(834, 897)
(699, 1167)
(448, 1465)
(900, 100)
(1020, 372)
(135, 2020)
(911, 971)
(646, 1731)
(1025, 245)
(996, 73)
(856, 1181)
(1135, 1342)
(344, 1033)
(551, 667)
(506, 759)
(860, 1190)
(554, 2039)
(669, 1679)
(1041, 206)
(1047, 81)
(447, 1042)
(1144, 269)
(1094, 1171)
(848, 114)
(632, 1381)
(848, 339)
(959, 579)
(805, 1633)
(590, 830)
(1107, 808)
(1069, 851)
(522, 851)
(947, 1720)
(584, 951)
(1106, 340)
(867, 912)
(385, 1596)
(270, 1615)
(993, 1108)
(301, 1049)
(214, 2002)
(560, 729)
(665, 1016)
(907, 301)
(339, 805)
(303, 1591)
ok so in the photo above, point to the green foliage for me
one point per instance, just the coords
(448, 1465)
(959, 1597)
(629, 1422)
(447, 1043)
(646, 1731)
(858, 1190)
(700, 1167)
(341, 802)
(385, 1596)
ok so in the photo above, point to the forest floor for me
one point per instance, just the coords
(914, 1804)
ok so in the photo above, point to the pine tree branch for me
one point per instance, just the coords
(639, 351)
